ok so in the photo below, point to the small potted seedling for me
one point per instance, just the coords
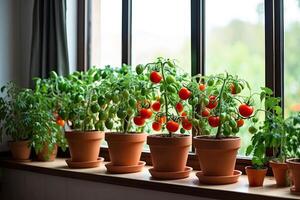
(128, 92)
(14, 107)
(169, 149)
(221, 104)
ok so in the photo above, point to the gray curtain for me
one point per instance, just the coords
(49, 50)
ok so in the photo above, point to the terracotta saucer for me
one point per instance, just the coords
(293, 191)
(27, 160)
(114, 169)
(78, 165)
(170, 175)
(219, 180)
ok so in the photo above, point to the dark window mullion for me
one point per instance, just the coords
(126, 31)
(274, 46)
(198, 36)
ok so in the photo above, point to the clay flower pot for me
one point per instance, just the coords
(45, 155)
(256, 176)
(20, 150)
(294, 167)
(84, 146)
(217, 157)
(169, 154)
(280, 171)
(125, 152)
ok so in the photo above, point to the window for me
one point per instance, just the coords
(235, 43)
(106, 20)
(161, 28)
(291, 53)
(239, 38)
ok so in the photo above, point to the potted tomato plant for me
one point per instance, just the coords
(77, 103)
(169, 151)
(293, 147)
(128, 92)
(220, 106)
(14, 107)
(47, 132)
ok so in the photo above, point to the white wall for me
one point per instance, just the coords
(17, 185)
(15, 41)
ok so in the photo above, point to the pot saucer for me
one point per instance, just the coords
(170, 175)
(219, 180)
(293, 191)
(117, 169)
(89, 164)
(26, 160)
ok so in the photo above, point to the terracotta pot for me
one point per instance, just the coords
(20, 149)
(217, 157)
(125, 149)
(45, 155)
(294, 167)
(256, 176)
(169, 154)
(280, 171)
(84, 146)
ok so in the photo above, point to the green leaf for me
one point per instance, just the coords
(249, 150)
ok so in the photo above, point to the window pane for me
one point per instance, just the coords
(235, 43)
(161, 28)
(291, 55)
(106, 21)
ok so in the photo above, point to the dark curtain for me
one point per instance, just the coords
(49, 50)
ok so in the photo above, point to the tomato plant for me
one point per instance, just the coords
(170, 90)
(216, 105)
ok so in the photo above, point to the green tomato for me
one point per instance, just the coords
(195, 101)
(125, 94)
(227, 130)
(115, 98)
(109, 124)
(170, 79)
(102, 115)
(94, 97)
(223, 116)
(79, 98)
(129, 112)
(254, 119)
(252, 129)
(206, 101)
(121, 113)
(232, 123)
(101, 101)
(132, 102)
(95, 108)
(171, 89)
(235, 130)
(210, 82)
(139, 69)
(182, 130)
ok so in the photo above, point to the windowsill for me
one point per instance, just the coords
(188, 186)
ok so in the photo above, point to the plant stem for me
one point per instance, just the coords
(165, 95)
(220, 106)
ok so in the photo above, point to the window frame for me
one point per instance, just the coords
(274, 44)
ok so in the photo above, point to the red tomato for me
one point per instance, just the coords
(156, 106)
(145, 113)
(245, 110)
(156, 126)
(183, 114)
(205, 112)
(139, 121)
(161, 119)
(179, 107)
(184, 93)
(202, 87)
(186, 124)
(155, 77)
(60, 121)
(214, 121)
(212, 102)
(172, 126)
(240, 122)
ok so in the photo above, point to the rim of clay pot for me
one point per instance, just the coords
(84, 135)
(295, 161)
(278, 164)
(252, 168)
(18, 141)
(211, 142)
(132, 136)
(175, 140)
